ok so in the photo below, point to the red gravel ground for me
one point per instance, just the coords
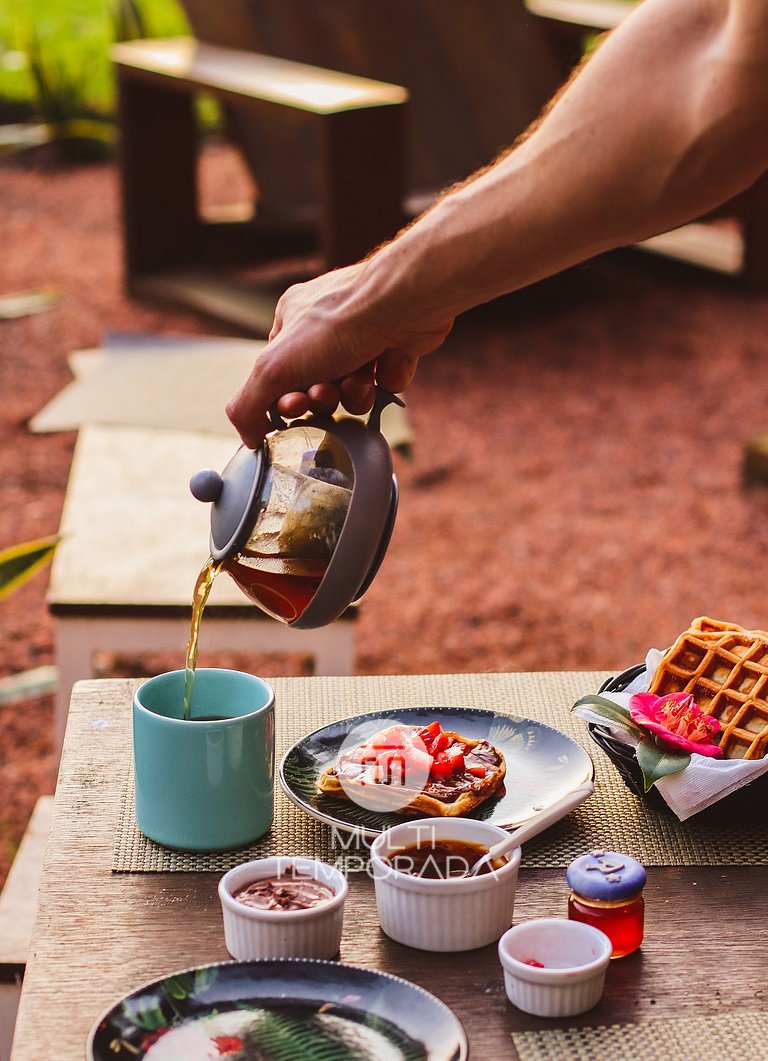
(575, 494)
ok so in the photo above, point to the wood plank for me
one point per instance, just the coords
(205, 292)
(715, 246)
(141, 539)
(589, 14)
(18, 900)
(259, 77)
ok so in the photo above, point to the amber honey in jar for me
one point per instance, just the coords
(607, 892)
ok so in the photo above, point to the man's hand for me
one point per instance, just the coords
(333, 338)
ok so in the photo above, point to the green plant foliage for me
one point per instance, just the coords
(657, 761)
(68, 41)
(611, 711)
(19, 562)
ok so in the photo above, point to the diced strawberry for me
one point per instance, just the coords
(440, 743)
(418, 761)
(364, 754)
(441, 766)
(390, 768)
(428, 733)
(392, 737)
(476, 771)
(455, 756)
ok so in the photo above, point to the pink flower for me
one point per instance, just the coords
(676, 720)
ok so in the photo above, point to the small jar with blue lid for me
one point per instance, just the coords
(607, 892)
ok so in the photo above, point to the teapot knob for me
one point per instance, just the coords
(206, 485)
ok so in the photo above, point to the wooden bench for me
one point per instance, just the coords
(734, 239)
(133, 542)
(18, 906)
(172, 253)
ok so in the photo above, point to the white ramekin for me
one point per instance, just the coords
(575, 957)
(455, 914)
(313, 933)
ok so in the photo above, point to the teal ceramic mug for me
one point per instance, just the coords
(205, 783)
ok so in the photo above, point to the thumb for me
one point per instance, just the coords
(247, 409)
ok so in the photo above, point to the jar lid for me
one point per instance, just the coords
(606, 875)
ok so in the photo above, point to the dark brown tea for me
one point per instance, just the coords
(283, 595)
(441, 859)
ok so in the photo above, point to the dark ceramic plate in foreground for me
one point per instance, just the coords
(287, 1009)
(543, 765)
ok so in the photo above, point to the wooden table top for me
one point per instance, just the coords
(99, 935)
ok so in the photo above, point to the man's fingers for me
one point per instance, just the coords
(395, 370)
(250, 427)
(357, 390)
(324, 397)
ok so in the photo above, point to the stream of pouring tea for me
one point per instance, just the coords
(199, 598)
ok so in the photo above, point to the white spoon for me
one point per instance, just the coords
(535, 825)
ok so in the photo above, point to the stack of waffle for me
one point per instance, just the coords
(725, 668)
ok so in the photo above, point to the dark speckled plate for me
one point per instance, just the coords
(288, 1009)
(543, 765)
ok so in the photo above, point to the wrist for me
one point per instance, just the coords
(410, 277)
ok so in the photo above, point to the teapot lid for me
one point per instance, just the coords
(234, 495)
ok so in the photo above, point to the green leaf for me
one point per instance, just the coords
(657, 761)
(609, 710)
(86, 129)
(20, 562)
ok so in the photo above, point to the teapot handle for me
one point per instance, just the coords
(381, 401)
(275, 419)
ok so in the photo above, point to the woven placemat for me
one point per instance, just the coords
(687, 1039)
(613, 818)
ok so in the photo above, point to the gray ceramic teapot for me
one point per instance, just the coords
(303, 522)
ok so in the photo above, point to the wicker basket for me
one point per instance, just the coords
(745, 805)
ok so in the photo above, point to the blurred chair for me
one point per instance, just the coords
(351, 115)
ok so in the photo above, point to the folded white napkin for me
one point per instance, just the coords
(704, 781)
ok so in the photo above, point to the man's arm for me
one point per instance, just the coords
(665, 121)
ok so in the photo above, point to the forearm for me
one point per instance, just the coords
(664, 122)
